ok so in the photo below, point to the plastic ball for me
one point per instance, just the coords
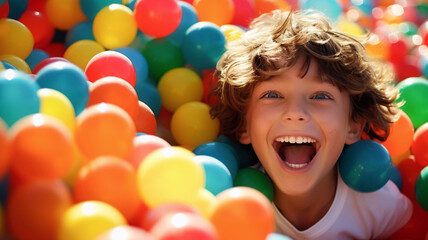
(243, 213)
(91, 8)
(162, 55)
(55, 49)
(150, 95)
(17, 8)
(205, 202)
(365, 166)
(410, 171)
(64, 14)
(104, 129)
(157, 18)
(179, 86)
(68, 79)
(5, 65)
(40, 27)
(400, 137)
(40, 147)
(145, 121)
(35, 57)
(138, 61)
(188, 18)
(421, 188)
(4, 146)
(245, 153)
(245, 12)
(80, 31)
(34, 210)
(218, 177)
(331, 8)
(111, 63)
(254, 178)
(114, 26)
(4, 9)
(15, 38)
(413, 92)
(82, 51)
(155, 214)
(192, 125)
(56, 104)
(218, 12)
(111, 180)
(48, 61)
(170, 175)
(125, 232)
(420, 145)
(89, 219)
(231, 32)
(142, 146)
(277, 236)
(203, 45)
(17, 62)
(183, 226)
(396, 177)
(115, 91)
(19, 96)
(222, 152)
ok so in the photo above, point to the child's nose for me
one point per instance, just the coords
(295, 111)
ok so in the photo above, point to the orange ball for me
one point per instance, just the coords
(400, 137)
(4, 161)
(41, 147)
(34, 211)
(420, 145)
(143, 145)
(111, 180)
(243, 213)
(219, 12)
(116, 91)
(146, 120)
(104, 129)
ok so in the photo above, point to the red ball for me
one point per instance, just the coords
(48, 61)
(157, 18)
(420, 145)
(40, 27)
(111, 63)
(154, 215)
(410, 171)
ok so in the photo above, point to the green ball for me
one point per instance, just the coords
(421, 189)
(254, 178)
(162, 55)
(413, 95)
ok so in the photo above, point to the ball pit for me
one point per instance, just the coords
(149, 136)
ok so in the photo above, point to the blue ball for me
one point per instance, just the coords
(396, 177)
(188, 18)
(222, 152)
(5, 65)
(35, 57)
(217, 176)
(17, 8)
(246, 155)
(91, 7)
(365, 166)
(330, 8)
(68, 79)
(203, 45)
(18, 96)
(149, 94)
(80, 31)
(138, 61)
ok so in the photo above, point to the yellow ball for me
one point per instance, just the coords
(205, 203)
(114, 26)
(56, 104)
(82, 51)
(15, 38)
(17, 62)
(89, 219)
(231, 32)
(179, 86)
(192, 125)
(168, 175)
(64, 14)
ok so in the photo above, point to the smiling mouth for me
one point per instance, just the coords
(295, 151)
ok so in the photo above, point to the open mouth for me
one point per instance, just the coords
(295, 151)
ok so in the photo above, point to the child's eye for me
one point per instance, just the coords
(321, 96)
(271, 94)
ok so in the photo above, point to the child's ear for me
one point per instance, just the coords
(244, 137)
(355, 130)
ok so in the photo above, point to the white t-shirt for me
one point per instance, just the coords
(355, 215)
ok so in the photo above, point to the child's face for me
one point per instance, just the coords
(307, 110)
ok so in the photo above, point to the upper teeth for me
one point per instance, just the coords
(294, 139)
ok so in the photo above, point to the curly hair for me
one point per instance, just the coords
(273, 44)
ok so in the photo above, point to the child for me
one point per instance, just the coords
(298, 91)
